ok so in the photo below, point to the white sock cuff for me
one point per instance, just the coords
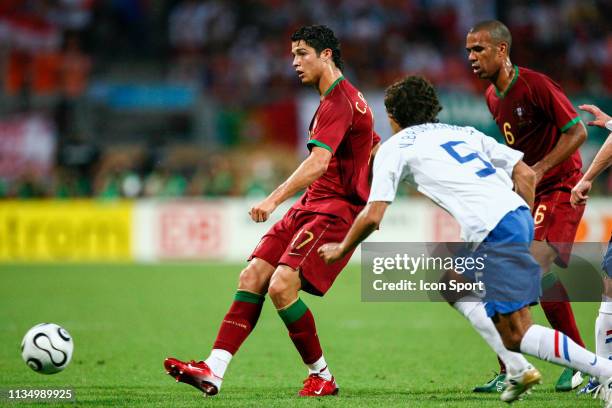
(318, 365)
(221, 354)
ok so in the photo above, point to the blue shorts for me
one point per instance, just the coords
(511, 275)
(606, 264)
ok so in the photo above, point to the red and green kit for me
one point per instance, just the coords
(532, 114)
(342, 124)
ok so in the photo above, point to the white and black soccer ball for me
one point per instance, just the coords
(47, 348)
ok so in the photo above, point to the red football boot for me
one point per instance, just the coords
(197, 374)
(315, 386)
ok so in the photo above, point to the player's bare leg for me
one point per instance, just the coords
(558, 311)
(520, 334)
(236, 326)
(284, 288)
(473, 309)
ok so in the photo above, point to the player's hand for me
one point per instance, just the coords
(261, 212)
(579, 193)
(331, 252)
(600, 117)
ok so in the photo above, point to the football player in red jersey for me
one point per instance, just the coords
(536, 117)
(335, 176)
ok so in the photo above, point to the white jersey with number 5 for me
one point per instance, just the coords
(464, 171)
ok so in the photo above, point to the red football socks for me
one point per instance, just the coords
(302, 330)
(561, 317)
(558, 310)
(239, 321)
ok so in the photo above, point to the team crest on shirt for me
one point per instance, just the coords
(522, 115)
(519, 112)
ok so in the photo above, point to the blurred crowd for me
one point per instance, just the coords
(236, 53)
(224, 44)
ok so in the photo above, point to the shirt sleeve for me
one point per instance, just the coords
(387, 173)
(332, 123)
(556, 105)
(500, 155)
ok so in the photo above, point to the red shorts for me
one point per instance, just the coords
(556, 222)
(294, 241)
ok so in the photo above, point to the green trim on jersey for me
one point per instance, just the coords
(320, 144)
(570, 124)
(244, 296)
(294, 312)
(333, 85)
(503, 94)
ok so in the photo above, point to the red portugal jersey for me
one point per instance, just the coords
(344, 125)
(532, 114)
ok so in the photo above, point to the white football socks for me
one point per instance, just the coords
(473, 309)
(319, 368)
(555, 347)
(218, 361)
(603, 329)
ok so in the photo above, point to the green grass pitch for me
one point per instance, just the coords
(126, 318)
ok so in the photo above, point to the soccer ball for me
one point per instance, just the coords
(47, 348)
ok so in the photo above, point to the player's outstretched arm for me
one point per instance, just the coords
(568, 143)
(602, 160)
(366, 222)
(313, 167)
(524, 179)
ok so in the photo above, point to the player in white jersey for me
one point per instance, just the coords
(472, 177)
(448, 165)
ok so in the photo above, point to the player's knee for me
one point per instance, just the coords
(544, 254)
(283, 287)
(278, 288)
(253, 280)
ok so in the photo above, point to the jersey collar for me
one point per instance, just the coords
(336, 82)
(503, 94)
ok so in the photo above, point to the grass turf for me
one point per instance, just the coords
(126, 318)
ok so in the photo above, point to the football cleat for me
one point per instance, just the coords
(495, 384)
(315, 386)
(519, 384)
(569, 380)
(197, 374)
(590, 387)
(604, 392)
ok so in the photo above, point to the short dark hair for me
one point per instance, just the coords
(412, 101)
(320, 37)
(496, 29)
